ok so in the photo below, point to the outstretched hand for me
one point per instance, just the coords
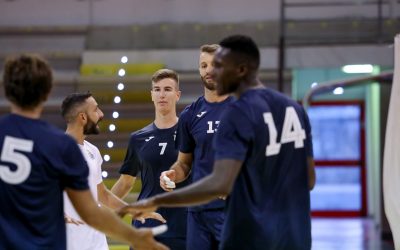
(141, 209)
(150, 215)
(71, 220)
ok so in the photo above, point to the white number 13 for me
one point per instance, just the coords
(8, 154)
(291, 132)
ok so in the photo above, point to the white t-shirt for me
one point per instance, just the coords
(84, 237)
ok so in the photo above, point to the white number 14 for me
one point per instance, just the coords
(291, 132)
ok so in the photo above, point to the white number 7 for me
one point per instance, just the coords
(8, 154)
(163, 145)
(291, 132)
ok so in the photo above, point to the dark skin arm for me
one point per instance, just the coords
(311, 173)
(218, 183)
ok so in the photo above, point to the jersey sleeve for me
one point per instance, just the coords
(233, 135)
(184, 139)
(73, 167)
(132, 163)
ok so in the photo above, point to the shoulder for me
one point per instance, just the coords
(193, 107)
(58, 135)
(90, 146)
(141, 133)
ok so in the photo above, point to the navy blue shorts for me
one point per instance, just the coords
(172, 243)
(204, 229)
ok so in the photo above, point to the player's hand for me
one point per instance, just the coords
(150, 215)
(72, 220)
(145, 241)
(139, 208)
(167, 180)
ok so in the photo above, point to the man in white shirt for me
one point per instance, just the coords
(82, 114)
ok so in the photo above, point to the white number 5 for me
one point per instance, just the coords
(291, 131)
(8, 154)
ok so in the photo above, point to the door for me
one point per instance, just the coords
(339, 154)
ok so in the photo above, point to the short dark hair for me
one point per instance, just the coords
(165, 73)
(71, 103)
(27, 79)
(243, 45)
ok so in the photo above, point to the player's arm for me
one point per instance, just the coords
(107, 198)
(218, 183)
(108, 222)
(123, 186)
(311, 172)
(178, 172)
(110, 200)
(182, 166)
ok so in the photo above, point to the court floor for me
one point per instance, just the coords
(337, 234)
(347, 234)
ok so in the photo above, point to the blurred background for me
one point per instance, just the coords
(112, 47)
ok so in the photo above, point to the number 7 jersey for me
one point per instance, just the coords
(269, 205)
(151, 151)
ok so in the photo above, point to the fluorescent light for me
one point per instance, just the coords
(358, 68)
(124, 59)
(120, 86)
(338, 91)
(117, 99)
(112, 127)
(121, 72)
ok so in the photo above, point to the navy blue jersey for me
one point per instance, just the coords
(150, 152)
(198, 123)
(269, 206)
(37, 162)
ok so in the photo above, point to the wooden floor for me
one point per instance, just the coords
(338, 234)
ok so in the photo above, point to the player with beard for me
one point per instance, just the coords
(263, 160)
(82, 114)
(196, 128)
(38, 162)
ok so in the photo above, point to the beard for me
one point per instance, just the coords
(209, 85)
(91, 128)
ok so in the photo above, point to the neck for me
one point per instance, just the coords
(212, 96)
(166, 120)
(245, 85)
(33, 113)
(76, 132)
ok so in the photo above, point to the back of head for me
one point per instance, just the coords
(71, 105)
(163, 74)
(243, 46)
(27, 80)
